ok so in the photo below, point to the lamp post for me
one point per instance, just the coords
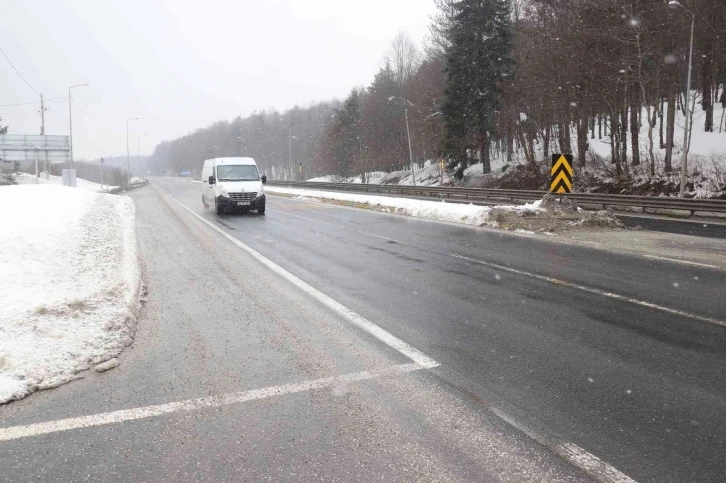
(70, 117)
(408, 135)
(139, 150)
(675, 4)
(128, 160)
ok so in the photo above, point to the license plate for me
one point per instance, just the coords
(243, 203)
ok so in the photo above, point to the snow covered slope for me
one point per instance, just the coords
(25, 178)
(69, 284)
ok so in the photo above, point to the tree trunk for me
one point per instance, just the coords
(670, 127)
(510, 144)
(484, 152)
(546, 144)
(707, 78)
(561, 137)
(660, 129)
(582, 143)
(634, 125)
(599, 126)
(614, 139)
(624, 129)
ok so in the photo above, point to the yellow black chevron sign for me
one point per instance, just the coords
(561, 181)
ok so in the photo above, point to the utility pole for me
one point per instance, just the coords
(42, 115)
(408, 135)
(675, 4)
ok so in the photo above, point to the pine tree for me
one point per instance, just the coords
(478, 62)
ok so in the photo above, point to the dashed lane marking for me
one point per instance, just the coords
(685, 262)
(115, 417)
(603, 293)
(589, 463)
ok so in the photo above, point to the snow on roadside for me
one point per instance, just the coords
(432, 210)
(26, 178)
(69, 284)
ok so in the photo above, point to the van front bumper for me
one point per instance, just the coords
(230, 203)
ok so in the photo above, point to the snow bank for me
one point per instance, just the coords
(25, 178)
(69, 283)
(432, 210)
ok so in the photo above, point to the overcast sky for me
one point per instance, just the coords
(182, 64)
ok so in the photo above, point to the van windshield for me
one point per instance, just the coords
(237, 173)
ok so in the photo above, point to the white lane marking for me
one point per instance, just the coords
(592, 465)
(337, 226)
(603, 293)
(655, 257)
(358, 320)
(114, 417)
(589, 463)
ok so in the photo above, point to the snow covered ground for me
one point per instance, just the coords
(26, 178)
(707, 159)
(432, 210)
(427, 175)
(69, 282)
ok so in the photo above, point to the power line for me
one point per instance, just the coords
(55, 101)
(18, 72)
(20, 104)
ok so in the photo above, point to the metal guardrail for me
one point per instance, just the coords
(127, 187)
(697, 207)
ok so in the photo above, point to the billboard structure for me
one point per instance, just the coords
(24, 148)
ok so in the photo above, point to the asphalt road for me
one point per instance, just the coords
(544, 374)
(693, 227)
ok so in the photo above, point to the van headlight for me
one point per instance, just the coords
(260, 193)
(223, 192)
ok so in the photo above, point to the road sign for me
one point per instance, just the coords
(561, 174)
(24, 148)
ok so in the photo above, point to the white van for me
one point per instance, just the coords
(233, 184)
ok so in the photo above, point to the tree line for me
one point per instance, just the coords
(511, 79)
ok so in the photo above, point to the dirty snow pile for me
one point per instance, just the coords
(432, 210)
(547, 215)
(26, 178)
(553, 215)
(69, 284)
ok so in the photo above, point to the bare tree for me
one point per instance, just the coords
(404, 58)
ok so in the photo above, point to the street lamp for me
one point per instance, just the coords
(70, 117)
(675, 4)
(139, 147)
(408, 134)
(128, 161)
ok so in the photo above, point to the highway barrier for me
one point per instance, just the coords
(669, 206)
(134, 185)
